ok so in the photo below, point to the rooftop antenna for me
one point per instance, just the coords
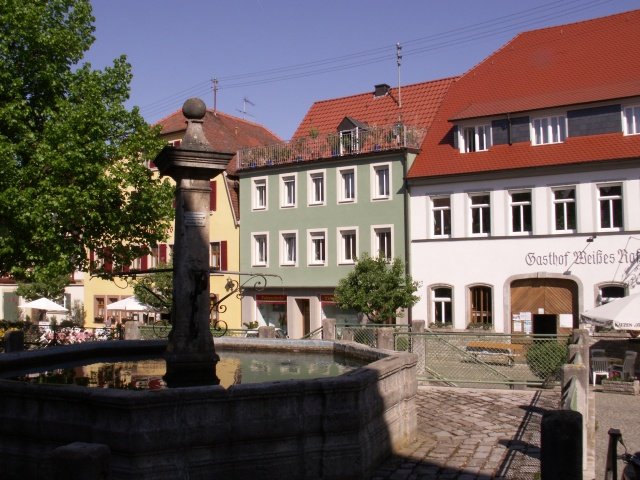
(214, 82)
(399, 62)
(246, 101)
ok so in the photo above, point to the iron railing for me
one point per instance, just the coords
(351, 142)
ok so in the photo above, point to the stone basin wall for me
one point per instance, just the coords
(331, 428)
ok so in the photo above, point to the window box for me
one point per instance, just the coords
(619, 386)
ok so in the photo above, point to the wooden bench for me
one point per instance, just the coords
(495, 352)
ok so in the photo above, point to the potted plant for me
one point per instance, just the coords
(616, 384)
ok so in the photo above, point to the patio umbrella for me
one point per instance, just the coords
(45, 304)
(621, 314)
(130, 304)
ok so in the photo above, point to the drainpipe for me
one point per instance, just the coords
(407, 240)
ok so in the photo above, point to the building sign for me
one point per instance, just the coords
(327, 298)
(194, 219)
(271, 298)
(582, 257)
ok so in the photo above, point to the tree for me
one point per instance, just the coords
(72, 157)
(377, 288)
(156, 289)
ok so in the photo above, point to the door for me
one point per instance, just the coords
(303, 308)
(545, 324)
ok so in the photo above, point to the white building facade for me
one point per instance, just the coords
(567, 255)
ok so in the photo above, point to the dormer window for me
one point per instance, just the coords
(631, 120)
(476, 138)
(546, 130)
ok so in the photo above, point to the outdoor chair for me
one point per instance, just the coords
(628, 368)
(598, 352)
(599, 367)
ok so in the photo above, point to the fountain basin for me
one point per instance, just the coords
(339, 427)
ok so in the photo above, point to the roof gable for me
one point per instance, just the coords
(419, 104)
(224, 132)
(576, 64)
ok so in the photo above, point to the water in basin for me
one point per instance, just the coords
(233, 368)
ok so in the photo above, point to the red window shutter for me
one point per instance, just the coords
(108, 260)
(163, 252)
(212, 197)
(144, 262)
(91, 260)
(223, 255)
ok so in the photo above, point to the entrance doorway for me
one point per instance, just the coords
(545, 324)
(536, 304)
(303, 308)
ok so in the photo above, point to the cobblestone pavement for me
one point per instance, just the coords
(473, 434)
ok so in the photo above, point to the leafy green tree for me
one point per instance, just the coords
(156, 289)
(72, 157)
(377, 288)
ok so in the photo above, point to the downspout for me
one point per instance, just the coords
(407, 243)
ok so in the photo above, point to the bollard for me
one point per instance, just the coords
(385, 338)
(81, 461)
(13, 341)
(329, 329)
(268, 331)
(131, 330)
(561, 445)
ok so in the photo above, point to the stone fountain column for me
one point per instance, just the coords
(190, 355)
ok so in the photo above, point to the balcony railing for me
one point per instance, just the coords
(349, 142)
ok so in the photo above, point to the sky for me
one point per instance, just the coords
(274, 58)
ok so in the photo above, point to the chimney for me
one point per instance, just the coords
(381, 90)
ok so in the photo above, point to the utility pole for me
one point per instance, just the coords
(214, 82)
(399, 62)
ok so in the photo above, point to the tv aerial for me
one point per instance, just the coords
(245, 102)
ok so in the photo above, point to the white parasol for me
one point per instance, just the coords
(45, 304)
(130, 304)
(621, 314)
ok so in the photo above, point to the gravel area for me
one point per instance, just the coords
(614, 410)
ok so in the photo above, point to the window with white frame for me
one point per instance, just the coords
(631, 120)
(442, 308)
(214, 252)
(475, 138)
(289, 248)
(381, 182)
(316, 188)
(441, 208)
(610, 200)
(547, 130)
(348, 245)
(480, 214)
(317, 247)
(288, 191)
(609, 293)
(347, 185)
(260, 249)
(382, 240)
(521, 212)
(564, 209)
(260, 194)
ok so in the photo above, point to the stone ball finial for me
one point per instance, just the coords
(194, 109)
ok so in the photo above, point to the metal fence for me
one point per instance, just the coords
(468, 359)
(351, 142)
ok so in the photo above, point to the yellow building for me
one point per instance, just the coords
(225, 133)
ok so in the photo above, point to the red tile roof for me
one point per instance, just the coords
(420, 102)
(225, 133)
(572, 64)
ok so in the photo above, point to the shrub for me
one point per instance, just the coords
(545, 359)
